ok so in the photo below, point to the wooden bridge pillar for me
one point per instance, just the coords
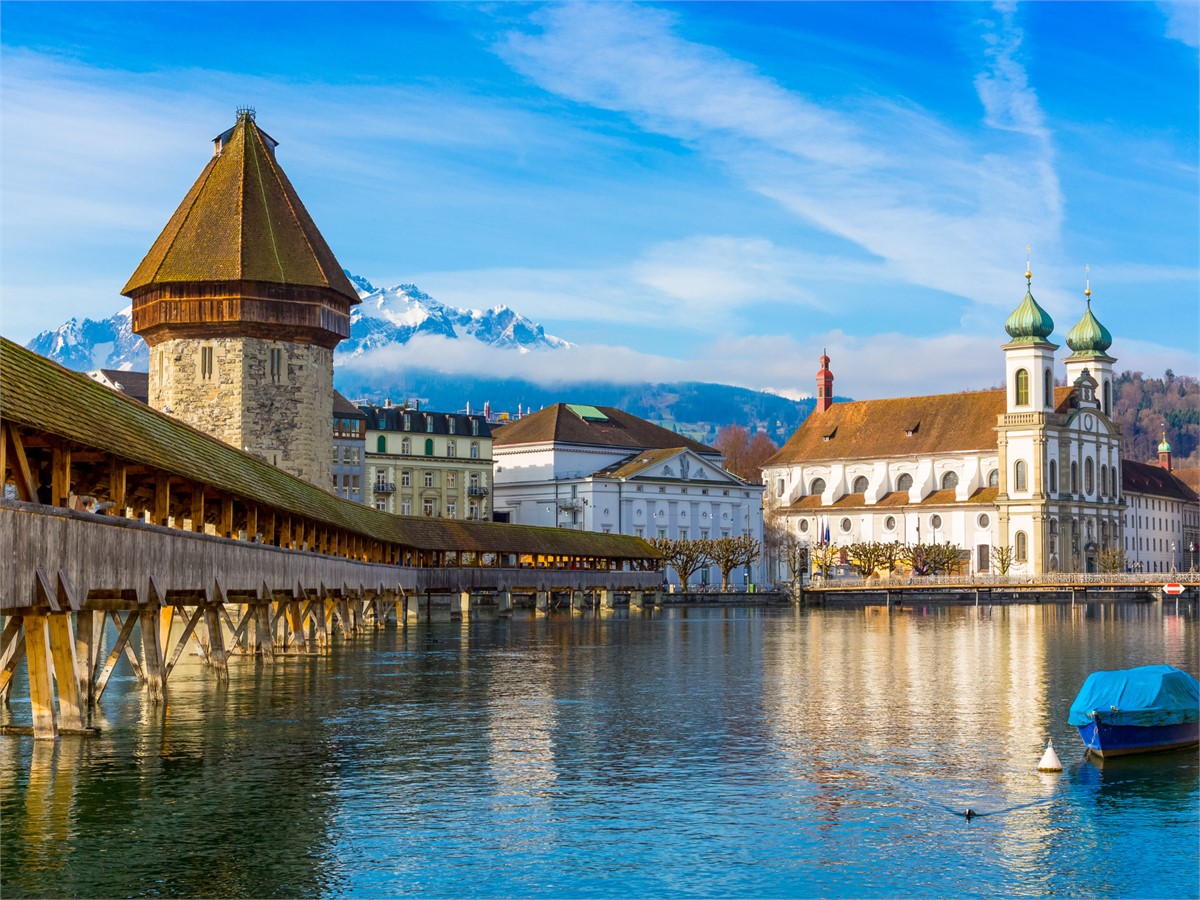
(579, 601)
(72, 707)
(608, 599)
(218, 656)
(12, 651)
(636, 600)
(264, 639)
(541, 602)
(41, 675)
(504, 603)
(153, 664)
(296, 620)
(463, 609)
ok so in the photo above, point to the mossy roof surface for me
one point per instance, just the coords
(242, 221)
(43, 396)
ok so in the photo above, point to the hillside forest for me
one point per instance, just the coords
(1146, 407)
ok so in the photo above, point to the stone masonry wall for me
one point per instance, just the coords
(286, 421)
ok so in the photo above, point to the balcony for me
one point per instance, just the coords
(476, 490)
(385, 487)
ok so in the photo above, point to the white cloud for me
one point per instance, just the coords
(1183, 20)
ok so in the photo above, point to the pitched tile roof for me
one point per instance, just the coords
(344, 409)
(559, 424)
(903, 426)
(132, 384)
(242, 221)
(43, 396)
(1146, 478)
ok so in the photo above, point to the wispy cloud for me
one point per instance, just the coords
(942, 209)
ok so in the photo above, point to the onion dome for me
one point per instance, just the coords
(1089, 337)
(1029, 323)
(1164, 447)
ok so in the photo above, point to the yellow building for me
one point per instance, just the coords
(424, 463)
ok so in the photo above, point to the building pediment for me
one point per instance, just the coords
(669, 464)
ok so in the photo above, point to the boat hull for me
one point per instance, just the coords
(1122, 740)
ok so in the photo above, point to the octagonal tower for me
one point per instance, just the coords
(241, 302)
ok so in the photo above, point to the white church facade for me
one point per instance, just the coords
(1032, 467)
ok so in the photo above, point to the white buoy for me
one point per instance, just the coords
(1050, 761)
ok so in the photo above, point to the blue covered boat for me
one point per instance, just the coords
(1137, 711)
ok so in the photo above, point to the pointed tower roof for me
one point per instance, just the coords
(242, 221)
(1029, 323)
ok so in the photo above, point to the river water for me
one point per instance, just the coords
(691, 753)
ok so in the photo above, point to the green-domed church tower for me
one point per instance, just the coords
(1089, 342)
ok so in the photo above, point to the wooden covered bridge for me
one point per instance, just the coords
(113, 511)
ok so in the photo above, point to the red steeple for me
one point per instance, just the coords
(824, 384)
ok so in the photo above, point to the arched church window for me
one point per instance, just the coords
(1022, 387)
(1020, 479)
(994, 478)
(1104, 481)
(904, 482)
(817, 486)
(1074, 477)
(381, 444)
(1089, 476)
(1049, 386)
(860, 485)
(949, 481)
(1054, 476)
(1022, 549)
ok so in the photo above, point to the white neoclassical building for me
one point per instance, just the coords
(603, 469)
(1033, 467)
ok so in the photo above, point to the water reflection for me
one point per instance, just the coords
(707, 753)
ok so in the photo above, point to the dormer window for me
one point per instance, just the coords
(912, 429)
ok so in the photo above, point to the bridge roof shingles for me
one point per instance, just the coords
(43, 396)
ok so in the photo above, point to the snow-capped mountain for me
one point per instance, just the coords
(394, 315)
(95, 344)
(386, 316)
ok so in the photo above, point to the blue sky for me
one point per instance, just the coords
(685, 191)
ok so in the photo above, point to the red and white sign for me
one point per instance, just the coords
(1172, 588)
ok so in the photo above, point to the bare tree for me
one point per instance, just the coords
(728, 553)
(685, 557)
(825, 556)
(1002, 559)
(744, 454)
(1111, 560)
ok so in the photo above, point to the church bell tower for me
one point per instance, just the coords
(241, 302)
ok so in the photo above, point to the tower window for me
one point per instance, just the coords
(1022, 387)
(1048, 386)
(1089, 476)
(206, 363)
(1022, 550)
(1020, 480)
(1074, 477)
(276, 365)
(1053, 477)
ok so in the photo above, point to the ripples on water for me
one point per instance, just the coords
(689, 753)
